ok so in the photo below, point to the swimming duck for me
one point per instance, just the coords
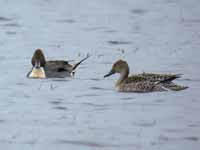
(145, 82)
(51, 69)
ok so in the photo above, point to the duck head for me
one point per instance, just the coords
(38, 61)
(120, 67)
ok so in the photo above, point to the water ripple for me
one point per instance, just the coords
(191, 138)
(61, 108)
(95, 105)
(138, 11)
(86, 143)
(5, 19)
(119, 42)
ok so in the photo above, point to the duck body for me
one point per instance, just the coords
(58, 69)
(144, 82)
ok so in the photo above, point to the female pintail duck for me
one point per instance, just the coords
(145, 82)
(51, 69)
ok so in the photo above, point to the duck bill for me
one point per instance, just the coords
(109, 74)
(37, 64)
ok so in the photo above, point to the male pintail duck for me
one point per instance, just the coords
(51, 69)
(145, 82)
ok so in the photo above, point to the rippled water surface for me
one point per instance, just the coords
(85, 112)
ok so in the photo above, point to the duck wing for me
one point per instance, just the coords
(58, 69)
(154, 77)
(141, 87)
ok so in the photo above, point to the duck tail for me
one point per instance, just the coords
(174, 87)
(177, 76)
(171, 78)
(77, 64)
(167, 84)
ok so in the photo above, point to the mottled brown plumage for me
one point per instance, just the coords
(140, 87)
(153, 77)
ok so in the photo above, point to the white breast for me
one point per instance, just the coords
(37, 73)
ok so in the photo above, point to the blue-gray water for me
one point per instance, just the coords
(86, 113)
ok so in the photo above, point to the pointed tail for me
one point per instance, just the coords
(171, 78)
(77, 64)
(170, 85)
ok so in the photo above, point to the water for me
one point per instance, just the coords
(85, 112)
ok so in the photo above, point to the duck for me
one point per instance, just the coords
(52, 68)
(144, 82)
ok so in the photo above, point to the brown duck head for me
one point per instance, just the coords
(119, 66)
(38, 59)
